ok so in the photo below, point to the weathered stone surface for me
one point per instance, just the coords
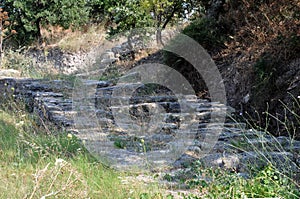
(102, 56)
(194, 119)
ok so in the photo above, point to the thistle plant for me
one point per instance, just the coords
(4, 29)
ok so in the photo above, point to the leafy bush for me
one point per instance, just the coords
(204, 31)
(210, 36)
(28, 17)
(208, 33)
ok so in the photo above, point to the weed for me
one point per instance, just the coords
(25, 65)
(268, 182)
(111, 73)
(82, 41)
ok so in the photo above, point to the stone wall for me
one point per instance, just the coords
(108, 52)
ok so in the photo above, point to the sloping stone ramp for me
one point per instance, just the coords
(95, 125)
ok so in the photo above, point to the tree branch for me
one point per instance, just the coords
(168, 19)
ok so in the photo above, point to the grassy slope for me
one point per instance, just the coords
(33, 165)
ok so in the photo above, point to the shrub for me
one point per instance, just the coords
(207, 32)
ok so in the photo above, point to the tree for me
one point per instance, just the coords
(162, 11)
(29, 16)
(129, 14)
(125, 16)
(97, 10)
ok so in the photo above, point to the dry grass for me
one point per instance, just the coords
(258, 27)
(73, 40)
(27, 66)
(59, 179)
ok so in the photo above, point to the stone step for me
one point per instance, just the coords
(148, 107)
(203, 116)
(267, 143)
(120, 102)
(148, 98)
(119, 90)
(59, 106)
(94, 83)
(104, 114)
(88, 123)
(136, 99)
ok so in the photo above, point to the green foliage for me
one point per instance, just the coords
(97, 9)
(268, 182)
(208, 33)
(111, 73)
(29, 16)
(263, 69)
(119, 143)
(265, 73)
(8, 135)
(133, 14)
(162, 11)
(166, 11)
(133, 143)
(265, 82)
(17, 138)
(127, 15)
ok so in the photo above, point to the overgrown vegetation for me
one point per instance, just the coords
(26, 66)
(269, 176)
(29, 17)
(265, 183)
(41, 161)
(256, 46)
(267, 41)
(128, 15)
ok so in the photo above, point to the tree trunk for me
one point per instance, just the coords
(130, 40)
(1, 43)
(159, 37)
(164, 25)
(38, 28)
